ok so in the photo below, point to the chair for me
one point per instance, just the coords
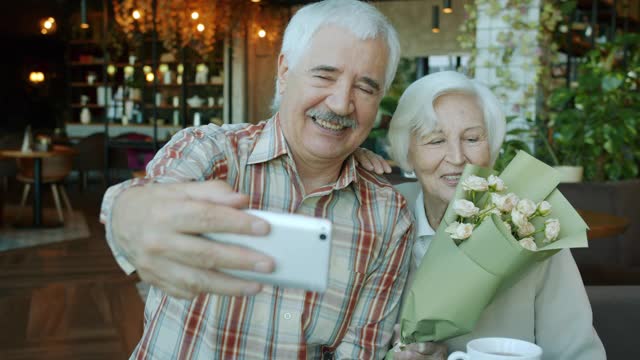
(89, 156)
(8, 168)
(54, 170)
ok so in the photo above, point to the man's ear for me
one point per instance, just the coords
(283, 73)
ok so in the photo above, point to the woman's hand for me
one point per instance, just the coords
(419, 351)
(372, 161)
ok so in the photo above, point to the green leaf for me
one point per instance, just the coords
(611, 82)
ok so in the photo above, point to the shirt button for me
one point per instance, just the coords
(287, 316)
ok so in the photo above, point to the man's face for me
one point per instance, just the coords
(330, 98)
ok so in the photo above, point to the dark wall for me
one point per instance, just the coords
(26, 50)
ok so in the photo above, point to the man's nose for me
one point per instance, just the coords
(340, 101)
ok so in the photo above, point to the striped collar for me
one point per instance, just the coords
(271, 144)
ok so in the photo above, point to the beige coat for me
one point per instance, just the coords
(548, 306)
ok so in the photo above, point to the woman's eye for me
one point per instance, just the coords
(321, 77)
(473, 139)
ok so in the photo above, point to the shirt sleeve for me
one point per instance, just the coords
(563, 317)
(376, 311)
(193, 154)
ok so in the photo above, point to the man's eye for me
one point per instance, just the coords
(366, 90)
(321, 77)
(473, 139)
(435, 142)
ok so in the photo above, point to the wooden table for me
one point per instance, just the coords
(37, 157)
(603, 225)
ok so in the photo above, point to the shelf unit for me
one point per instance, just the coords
(156, 110)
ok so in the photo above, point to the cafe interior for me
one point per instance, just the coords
(93, 88)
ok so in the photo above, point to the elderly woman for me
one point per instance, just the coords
(443, 122)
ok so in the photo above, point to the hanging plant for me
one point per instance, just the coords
(539, 51)
(178, 26)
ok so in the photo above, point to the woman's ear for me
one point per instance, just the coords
(283, 73)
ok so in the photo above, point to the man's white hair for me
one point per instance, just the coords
(362, 19)
(415, 113)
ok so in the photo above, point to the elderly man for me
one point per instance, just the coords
(338, 57)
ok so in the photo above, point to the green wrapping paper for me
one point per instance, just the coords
(454, 283)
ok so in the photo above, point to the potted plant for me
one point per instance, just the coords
(595, 123)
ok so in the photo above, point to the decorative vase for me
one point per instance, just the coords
(570, 174)
(85, 116)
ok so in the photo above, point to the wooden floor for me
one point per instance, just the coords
(68, 300)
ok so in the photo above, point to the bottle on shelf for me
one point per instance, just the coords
(85, 116)
(196, 119)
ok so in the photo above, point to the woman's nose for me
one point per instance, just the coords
(455, 153)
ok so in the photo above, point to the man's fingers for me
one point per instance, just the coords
(216, 191)
(206, 254)
(197, 217)
(187, 282)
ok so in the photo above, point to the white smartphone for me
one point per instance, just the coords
(299, 244)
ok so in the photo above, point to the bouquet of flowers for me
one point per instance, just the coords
(494, 229)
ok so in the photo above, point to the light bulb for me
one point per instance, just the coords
(262, 33)
(200, 27)
(195, 15)
(136, 14)
(150, 77)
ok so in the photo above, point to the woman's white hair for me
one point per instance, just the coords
(415, 113)
(362, 19)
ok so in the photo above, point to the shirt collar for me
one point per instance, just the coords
(422, 224)
(271, 144)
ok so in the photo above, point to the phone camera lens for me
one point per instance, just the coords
(323, 237)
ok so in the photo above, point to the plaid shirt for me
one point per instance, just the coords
(372, 234)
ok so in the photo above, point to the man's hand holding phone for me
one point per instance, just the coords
(299, 244)
(159, 225)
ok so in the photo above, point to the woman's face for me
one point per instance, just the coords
(459, 138)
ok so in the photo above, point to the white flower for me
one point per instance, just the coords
(465, 208)
(475, 183)
(528, 244)
(527, 207)
(544, 208)
(451, 229)
(518, 218)
(526, 229)
(551, 230)
(462, 231)
(507, 225)
(504, 203)
(495, 183)
(498, 200)
(512, 200)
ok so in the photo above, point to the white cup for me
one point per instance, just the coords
(498, 349)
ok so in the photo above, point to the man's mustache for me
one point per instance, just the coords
(330, 116)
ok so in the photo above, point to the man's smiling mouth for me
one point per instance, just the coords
(328, 124)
